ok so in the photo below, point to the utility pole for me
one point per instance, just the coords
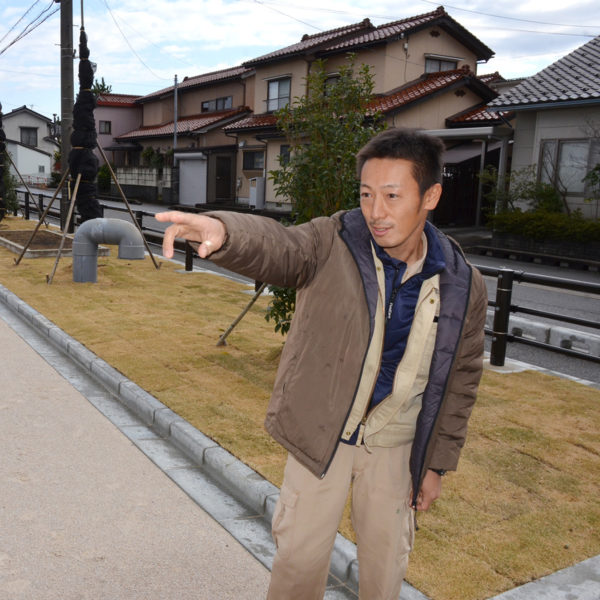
(66, 97)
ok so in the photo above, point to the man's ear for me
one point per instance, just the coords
(432, 196)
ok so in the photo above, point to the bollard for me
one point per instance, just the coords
(189, 257)
(501, 317)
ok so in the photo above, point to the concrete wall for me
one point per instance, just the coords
(148, 185)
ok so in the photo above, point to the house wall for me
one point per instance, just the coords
(122, 120)
(396, 63)
(297, 69)
(158, 112)
(189, 103)
(532, 127)
(432, 113)
(34, 165)
(12, 124)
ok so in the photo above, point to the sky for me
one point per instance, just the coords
(139, 46)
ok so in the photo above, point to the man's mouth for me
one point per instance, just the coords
(379, 229)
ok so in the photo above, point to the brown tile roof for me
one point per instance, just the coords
(253, 122)
(571, 80)
(199, 80)
(429, 84)
(365, 33)
(478, 116)
(488, 78)
(123, 100)
(184, 125)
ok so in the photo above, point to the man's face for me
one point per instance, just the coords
(393, 207)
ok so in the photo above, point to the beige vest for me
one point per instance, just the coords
(393, 421)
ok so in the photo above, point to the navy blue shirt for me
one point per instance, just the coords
(400, 304)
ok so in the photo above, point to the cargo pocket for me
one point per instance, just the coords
(284, 519)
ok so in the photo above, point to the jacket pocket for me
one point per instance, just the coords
(284, 519)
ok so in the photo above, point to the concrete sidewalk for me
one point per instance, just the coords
(84, 514)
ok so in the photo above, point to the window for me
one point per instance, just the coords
(104, 126)
(41, 169)
(224, 103)
(254, 160)
(284, 155)
(29, 136)
(209, 105)
(278, 94)
(330, 82)
(565, 163)
(433, 65)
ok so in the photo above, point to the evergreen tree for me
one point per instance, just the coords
(325, 128)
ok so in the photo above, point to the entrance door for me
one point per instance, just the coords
(223, 191)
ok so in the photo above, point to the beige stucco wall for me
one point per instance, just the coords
(396, 63)
(432, 113)
(158, 112)
(189, 103)
(296, 69)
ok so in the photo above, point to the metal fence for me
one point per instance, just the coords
(503, 308)
(506, 278)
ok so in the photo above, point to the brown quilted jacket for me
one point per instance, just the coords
(329, 262)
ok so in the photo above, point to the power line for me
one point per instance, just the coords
(20, 19)
(436, 2)
(130, 46)
(32, 25)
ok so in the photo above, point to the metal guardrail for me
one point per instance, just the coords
(502, 304)
(503, 308)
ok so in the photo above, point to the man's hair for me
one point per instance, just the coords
(423, 150)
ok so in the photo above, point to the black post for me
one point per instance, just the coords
(189, 257)
(41, 202)
(139, 217)
(501, 317)
(27, 206)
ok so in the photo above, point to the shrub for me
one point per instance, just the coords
(544, 225)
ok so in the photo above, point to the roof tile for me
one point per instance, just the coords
(184, 125)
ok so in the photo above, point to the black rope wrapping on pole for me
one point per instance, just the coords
(82, 159)
(2, 167)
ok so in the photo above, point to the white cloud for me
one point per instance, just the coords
(189, 37)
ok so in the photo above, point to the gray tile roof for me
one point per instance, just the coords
(573, 79)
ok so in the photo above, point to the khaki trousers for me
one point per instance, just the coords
(309, 510)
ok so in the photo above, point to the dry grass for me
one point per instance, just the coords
(524, 502)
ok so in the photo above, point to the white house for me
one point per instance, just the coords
(31, 140)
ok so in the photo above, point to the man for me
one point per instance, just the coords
(380, 368)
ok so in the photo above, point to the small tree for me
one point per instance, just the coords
(101, 87)
(325, 128)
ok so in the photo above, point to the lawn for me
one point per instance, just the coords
(524, 502)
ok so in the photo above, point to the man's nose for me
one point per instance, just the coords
(378, 209)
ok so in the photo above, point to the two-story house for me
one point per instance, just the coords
(116, 114)
(424, 71)
(32, 140)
